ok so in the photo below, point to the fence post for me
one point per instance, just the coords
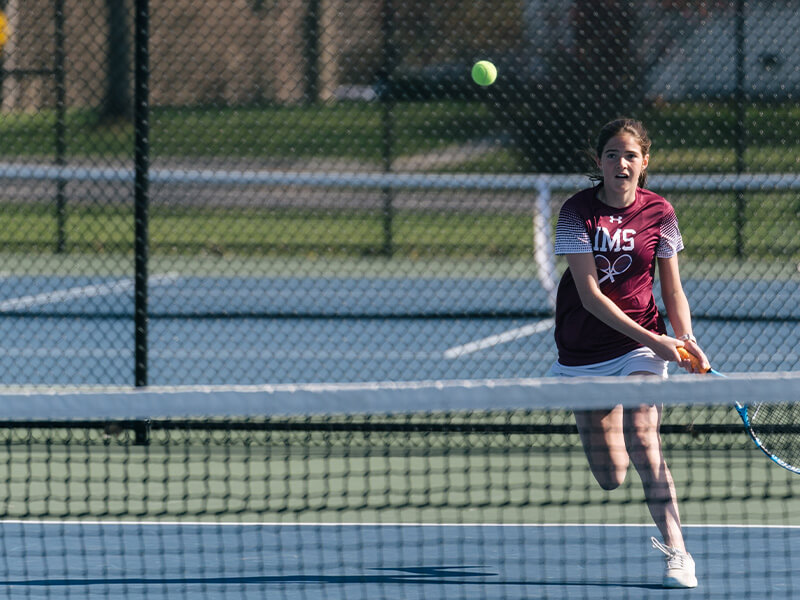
(141, 166)
(741, 129)
(60, 126)
(387, 98)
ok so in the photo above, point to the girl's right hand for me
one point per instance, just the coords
(667, 347)
(698, 363)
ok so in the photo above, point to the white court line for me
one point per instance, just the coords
(500, 338)
(85, 291)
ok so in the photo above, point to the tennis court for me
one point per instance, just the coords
(267, 329)
(358, 502)
(452, 504)
(280, 328)
(383, 561)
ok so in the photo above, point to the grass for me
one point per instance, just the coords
(689, 138)
(226, 231)
(341, 131)
(708, 224)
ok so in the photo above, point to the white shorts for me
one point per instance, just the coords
(639, 360)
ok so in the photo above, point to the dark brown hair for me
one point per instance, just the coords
(633, 128)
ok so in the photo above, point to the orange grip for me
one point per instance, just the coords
(696, 364)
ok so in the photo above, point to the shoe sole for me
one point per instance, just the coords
(675, 584)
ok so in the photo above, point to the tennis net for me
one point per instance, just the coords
(470, 489)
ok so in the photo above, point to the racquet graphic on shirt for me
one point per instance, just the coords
(773, 427)
(621, 264)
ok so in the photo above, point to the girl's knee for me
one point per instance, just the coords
(610, 476)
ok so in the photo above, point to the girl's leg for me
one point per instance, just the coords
(602, 436)
(643, 442)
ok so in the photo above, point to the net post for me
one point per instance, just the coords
(141, 162)
(141, 432)
(543, 243)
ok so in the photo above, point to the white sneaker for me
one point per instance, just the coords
(680, 567)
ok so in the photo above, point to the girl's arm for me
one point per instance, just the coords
(584, 272)
(678, 312)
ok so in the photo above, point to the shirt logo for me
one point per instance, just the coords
(615, 219)
(621, 264)
(621, 240)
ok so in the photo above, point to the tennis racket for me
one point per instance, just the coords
(773, 427)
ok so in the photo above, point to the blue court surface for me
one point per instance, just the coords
(193, 340)
(153, 561)
(340, 561)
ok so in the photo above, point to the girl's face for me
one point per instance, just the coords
(622, 162)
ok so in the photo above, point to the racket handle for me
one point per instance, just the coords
(696, 364)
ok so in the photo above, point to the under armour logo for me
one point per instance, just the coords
(615, 219)
(610, 271)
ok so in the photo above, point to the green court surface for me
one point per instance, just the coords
(395, 470)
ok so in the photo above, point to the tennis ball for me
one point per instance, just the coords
(484, 73)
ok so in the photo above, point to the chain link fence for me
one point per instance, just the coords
(269, 191)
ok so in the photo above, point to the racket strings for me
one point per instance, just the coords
(777, 427)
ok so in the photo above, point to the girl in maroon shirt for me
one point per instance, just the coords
(607, 321)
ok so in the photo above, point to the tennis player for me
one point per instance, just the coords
(607, 323)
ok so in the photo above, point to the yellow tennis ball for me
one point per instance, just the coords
(4, 29)
(484, 72)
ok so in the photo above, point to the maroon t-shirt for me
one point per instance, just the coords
(625, 243)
